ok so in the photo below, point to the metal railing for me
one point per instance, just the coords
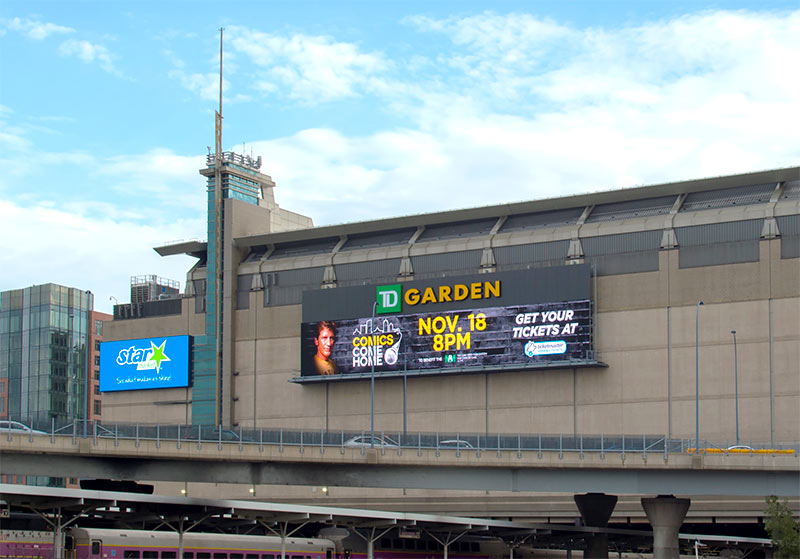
(500, 443)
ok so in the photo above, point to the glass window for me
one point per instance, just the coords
(98, 330)
(220, 556)
(168, 555)
(97, 407)
(188, 555)
(131, 554)
(95, 547)
(150, 555)
(203, 555)
(236, 556)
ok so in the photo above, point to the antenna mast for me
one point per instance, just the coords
(218, 120)
(219, 237)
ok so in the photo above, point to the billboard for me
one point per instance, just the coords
(145, 363)
(474, 323)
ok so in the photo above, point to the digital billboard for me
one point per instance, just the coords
(515, 320)
(145, 363)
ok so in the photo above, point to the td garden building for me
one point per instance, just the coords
(572, 315)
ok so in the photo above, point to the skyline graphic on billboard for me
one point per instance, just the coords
(144, 363)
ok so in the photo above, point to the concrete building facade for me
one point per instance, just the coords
(654, 252)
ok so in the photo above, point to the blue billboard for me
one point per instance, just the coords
(144, 364)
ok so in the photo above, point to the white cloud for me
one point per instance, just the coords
(170, 181)
(36, 30)
(311, 68)
(206, 86)
(90, 252)
(697, 96)
(89, 53)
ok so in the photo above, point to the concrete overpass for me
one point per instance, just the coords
(639, 473)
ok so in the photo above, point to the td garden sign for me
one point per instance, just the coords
(505, 321)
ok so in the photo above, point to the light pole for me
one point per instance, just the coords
(372, 382)
(697, 379)
(736, 383)
(89, 305)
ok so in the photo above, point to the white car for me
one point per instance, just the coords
(455, 443)
(15, 427)
(368, 441)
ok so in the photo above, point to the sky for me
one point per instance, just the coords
(363, 110)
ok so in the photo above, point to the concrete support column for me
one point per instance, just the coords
(666, 514)
(596, 509)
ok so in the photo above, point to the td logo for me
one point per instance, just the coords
(388, 298)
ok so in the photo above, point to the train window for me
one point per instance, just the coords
(220, 556)
(95, 547)
(168, 555)
(266, 556)
(69, 543)
(236, 556)
(150, 555)
(252, 556)
(130, 554)
(203, 555)
(328, 553)
(188, 555)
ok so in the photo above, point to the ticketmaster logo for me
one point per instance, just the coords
(388, 298)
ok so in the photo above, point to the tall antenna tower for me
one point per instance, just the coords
(218, 267)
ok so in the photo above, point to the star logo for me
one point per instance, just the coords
(157, 355)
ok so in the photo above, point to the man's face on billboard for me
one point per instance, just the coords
(324, 342)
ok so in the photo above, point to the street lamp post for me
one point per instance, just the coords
(736, 383)
(697, 379)
(372, 383)
(89, 304)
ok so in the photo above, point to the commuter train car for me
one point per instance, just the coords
(96, 543)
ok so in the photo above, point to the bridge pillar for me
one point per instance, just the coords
(666, 514)
(596, 509)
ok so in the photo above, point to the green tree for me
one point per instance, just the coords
(782, 528)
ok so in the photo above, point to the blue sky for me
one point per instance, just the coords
(364, 110)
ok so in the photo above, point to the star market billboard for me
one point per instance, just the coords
(512, 320)
(145, 363)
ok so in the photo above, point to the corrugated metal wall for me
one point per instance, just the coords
(789, 226)
(633, 208)
(519, 257)
(473, 228)
(447, 264)
(359, 273)
(554, 218)
(741, 196)
(286, 287)
(380, 238)
(719, 243)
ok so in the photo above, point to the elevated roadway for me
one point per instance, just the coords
(637, 473)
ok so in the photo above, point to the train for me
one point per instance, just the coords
(105, 543)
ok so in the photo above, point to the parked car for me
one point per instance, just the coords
(740, 448)
(455, 443)
(15, 427)
(368, 441)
